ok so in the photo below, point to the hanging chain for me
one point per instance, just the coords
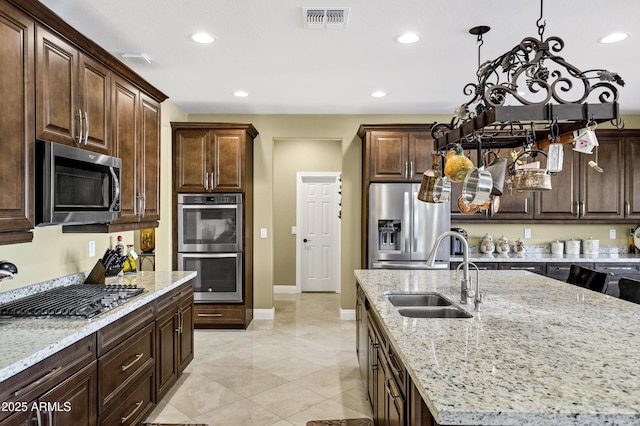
(540, 23)
(480, 43)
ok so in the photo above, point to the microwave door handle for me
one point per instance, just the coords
(116, 198)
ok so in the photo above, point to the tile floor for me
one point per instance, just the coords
(298, 367)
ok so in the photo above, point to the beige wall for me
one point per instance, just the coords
(291, 156)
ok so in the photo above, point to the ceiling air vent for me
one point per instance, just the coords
(320, 18)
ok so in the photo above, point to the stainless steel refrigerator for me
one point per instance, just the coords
(403, 229)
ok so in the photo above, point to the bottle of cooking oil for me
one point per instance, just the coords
(130, 263)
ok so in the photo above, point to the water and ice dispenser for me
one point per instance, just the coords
(389, 234)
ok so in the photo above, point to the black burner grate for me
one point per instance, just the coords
(79, 300)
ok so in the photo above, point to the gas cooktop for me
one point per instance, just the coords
(78, 300)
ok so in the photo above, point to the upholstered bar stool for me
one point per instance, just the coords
(629, 289)
(588, 278)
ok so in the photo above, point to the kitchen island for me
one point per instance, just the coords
(541, 352)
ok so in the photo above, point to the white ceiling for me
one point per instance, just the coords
(263, 48)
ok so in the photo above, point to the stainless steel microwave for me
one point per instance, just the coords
(75, 186)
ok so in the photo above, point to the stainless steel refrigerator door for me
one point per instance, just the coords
(429, 221)
(389, 202)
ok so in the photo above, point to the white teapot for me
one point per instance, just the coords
(486, 244)
(503, 245)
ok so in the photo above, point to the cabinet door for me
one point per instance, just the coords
(602, 194)
(632, 181)
(191, 160)
(148, 168)
(73, 402)
(17, 124)
(124, 119)
(420, 149)
(562, 201)
(57, 111)
(94, 104)
(185, 338)
(389, 156)
(166, 365)
(227, 160)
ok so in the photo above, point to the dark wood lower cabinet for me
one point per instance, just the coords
(112, 377)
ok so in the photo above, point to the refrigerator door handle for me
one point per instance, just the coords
(406, 222)
(415, 227)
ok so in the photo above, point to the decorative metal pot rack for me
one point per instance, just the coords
(532, 69)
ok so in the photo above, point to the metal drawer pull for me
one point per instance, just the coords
(37, 382)
(138, 405)
(527, 268)
(209, 315)
(128, 366)
(177, 295)
(390, 391)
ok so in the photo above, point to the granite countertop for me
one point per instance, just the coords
(27, 341)
(541, 352)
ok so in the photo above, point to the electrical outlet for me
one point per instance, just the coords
(294, 230)
(612, 234)
(92, 248)
(527, 233)
(263, 232)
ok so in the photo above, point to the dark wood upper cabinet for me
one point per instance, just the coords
(17, 124)
(632, 176)
(72, 95)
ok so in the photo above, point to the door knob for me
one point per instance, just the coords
(305, 240)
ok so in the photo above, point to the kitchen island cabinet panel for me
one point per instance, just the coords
(135, 406)
(73, 402)
(17, 123)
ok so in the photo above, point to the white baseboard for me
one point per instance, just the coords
(264, 314)
(285, 289)
(348, 314)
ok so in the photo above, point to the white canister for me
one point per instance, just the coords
(572, 247)
(557, 247)
(590, 246)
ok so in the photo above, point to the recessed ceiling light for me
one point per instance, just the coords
(614, 38)
(408, 38)
(203, 38)
(240, 93)
(378, 94)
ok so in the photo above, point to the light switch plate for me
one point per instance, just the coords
(612, 234)
(263, 232)
(294, 230)
(527, 233)
(92, 248)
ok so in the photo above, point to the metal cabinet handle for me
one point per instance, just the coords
(86, 127)
(128, 366)
(411, 169)
(406, 169)
(582, 208)
(177, 296)
(37, 382)
(80, 127)
(138, 405)
(206, 180)
(627, 208)
(526, 205)
(209, 315)
(389, 391)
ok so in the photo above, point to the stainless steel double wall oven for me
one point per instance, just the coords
(210, 242)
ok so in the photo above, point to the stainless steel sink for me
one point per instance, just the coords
(425, 305)
(433, 312)
(418, 299)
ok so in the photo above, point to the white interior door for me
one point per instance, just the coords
(318, 232)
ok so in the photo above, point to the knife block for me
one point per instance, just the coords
(100, 275)
(97, 274)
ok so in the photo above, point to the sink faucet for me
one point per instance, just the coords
(477, 296)
(465, 286)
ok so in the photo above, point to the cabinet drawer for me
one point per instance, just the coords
(168, 301)
(124, 365)
(218, 314)
(134, 406)
(36, 380)
(116, 332)
(560, 270)
(537, 268)
(619, 270)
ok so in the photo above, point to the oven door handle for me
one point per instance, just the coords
(208, 206)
